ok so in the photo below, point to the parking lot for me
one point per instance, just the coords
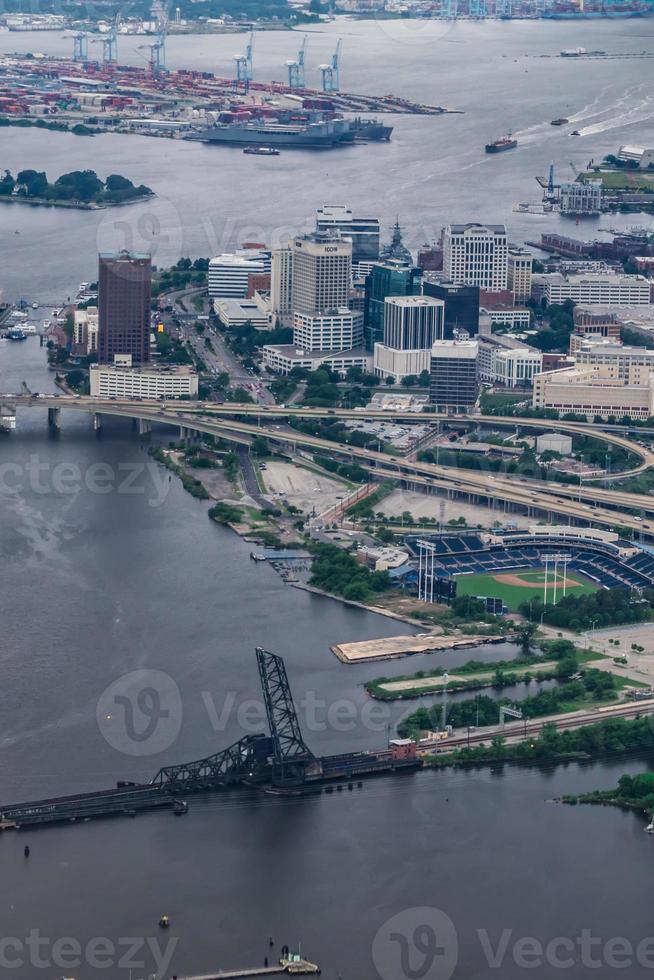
(301, 487)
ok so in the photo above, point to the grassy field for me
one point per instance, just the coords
(633, 180)
(514, 594)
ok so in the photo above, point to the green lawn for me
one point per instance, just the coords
(513, 595)
(632, 180)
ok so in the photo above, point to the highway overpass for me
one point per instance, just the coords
(592, 505)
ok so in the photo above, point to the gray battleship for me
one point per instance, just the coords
(324, 134)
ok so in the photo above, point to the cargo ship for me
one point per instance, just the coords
(370, 129)
(324, 134)
(504, 143)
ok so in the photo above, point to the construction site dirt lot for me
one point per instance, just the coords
(302, 487)
(400, 646)
(422, 505)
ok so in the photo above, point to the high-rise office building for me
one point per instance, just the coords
(476, 255)
(461, 303)
(362, 232)
(392, 277)
(453, 385)
(281, 284)
(519, 269)
(411, 326)
(322, 273)
(124, 296)
(412, 322)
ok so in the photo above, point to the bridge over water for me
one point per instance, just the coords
(589, 504)
(280, 761)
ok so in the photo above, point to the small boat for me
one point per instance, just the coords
(262, 151)
(180, 807)
(649, 829)
(559, 122)
(164, 922)
(575, 132)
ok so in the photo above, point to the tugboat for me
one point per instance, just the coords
(262, 151)
(504, 143)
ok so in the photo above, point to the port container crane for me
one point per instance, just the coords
(331, 72)
(109, 44)
(296, 78)
(244, 68)
(80, 46)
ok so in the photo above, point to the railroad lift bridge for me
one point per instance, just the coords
(280, 760)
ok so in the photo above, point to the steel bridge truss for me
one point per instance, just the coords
(245, 759)
(291, 757)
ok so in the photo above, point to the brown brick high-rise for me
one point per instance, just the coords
(124, 293)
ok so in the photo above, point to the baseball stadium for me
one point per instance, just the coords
(545, 562)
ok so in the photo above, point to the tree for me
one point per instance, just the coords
(115, 182)
(7, 184)
(78, 185)
(259, 446)
(525, 638)
(32, 183)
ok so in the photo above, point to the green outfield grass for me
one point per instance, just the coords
(486, 584)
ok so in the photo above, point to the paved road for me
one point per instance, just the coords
(250, 478)
(221, 358)
(542, 498)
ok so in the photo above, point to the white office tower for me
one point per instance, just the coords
(413, 322)
(337, 330)
(281, 284)
(363, 232)
(322, 273)
(228, 273)
(85, 330)
(476, 255)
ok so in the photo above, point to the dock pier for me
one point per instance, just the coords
(294, 966)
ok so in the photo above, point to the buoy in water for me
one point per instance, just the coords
(26, 850)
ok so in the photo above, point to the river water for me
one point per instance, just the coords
(108, 592)
(113, 583)
(503, 76)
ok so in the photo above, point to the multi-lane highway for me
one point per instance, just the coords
(587, 504)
